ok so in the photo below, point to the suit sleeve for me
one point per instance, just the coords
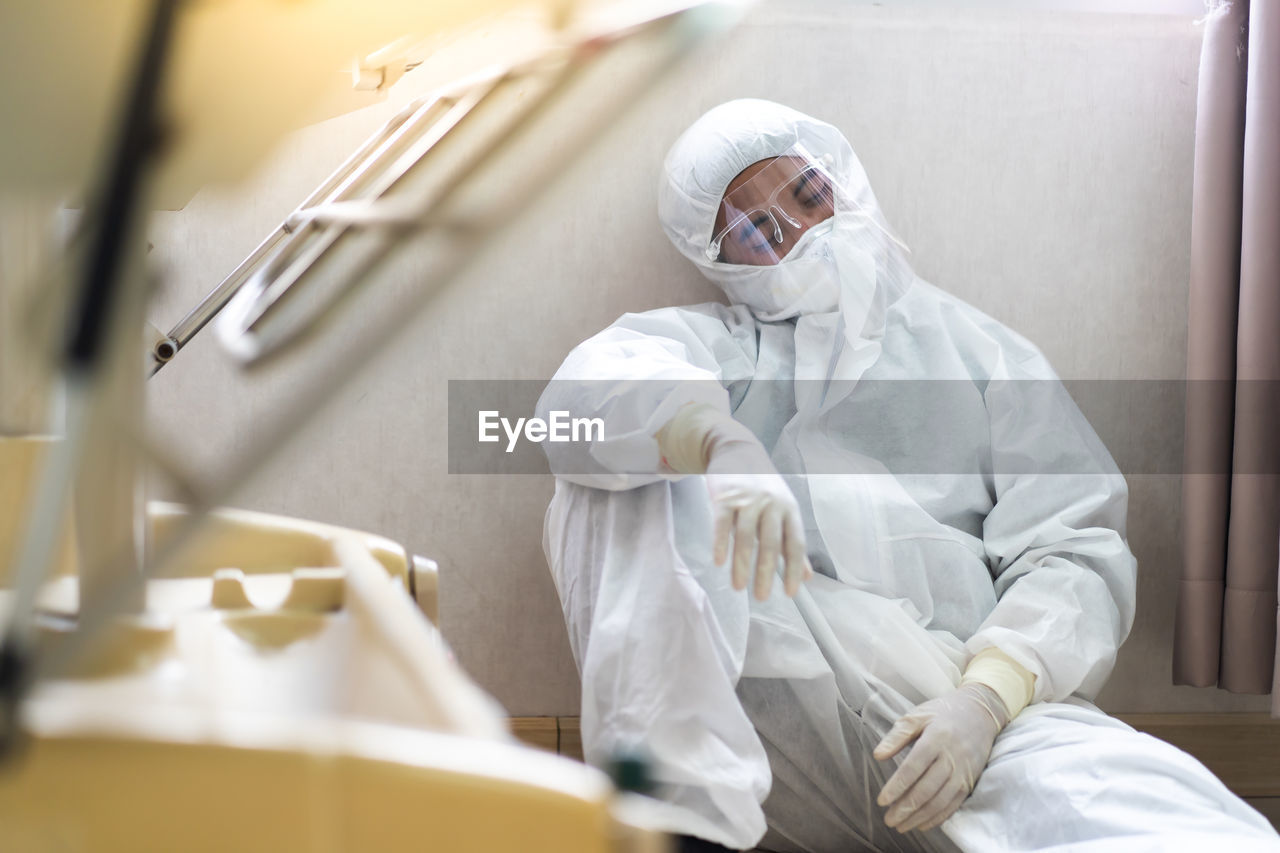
(633, 377)
(1064, 575)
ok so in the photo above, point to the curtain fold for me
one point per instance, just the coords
(1226, 624)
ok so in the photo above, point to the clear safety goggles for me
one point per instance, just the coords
(761, 219)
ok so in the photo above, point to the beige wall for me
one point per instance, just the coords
(1038, 164)
(27, 229)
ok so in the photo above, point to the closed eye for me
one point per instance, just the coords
(753, 234)
(811, 189)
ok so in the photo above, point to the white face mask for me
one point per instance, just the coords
(823, 269)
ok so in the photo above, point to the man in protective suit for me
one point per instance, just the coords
(948, 529)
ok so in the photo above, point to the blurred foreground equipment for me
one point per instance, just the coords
(190, 676)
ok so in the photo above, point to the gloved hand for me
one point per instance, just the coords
(752, 504)
(953, 735)
(754, 507)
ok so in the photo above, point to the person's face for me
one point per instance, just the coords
(769, 199)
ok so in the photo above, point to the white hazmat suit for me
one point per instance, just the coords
(953, 500)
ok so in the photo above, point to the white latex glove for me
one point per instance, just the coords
(759, 513)
(953, 735)
(752, 505)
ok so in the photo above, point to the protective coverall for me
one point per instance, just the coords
(953, 499)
